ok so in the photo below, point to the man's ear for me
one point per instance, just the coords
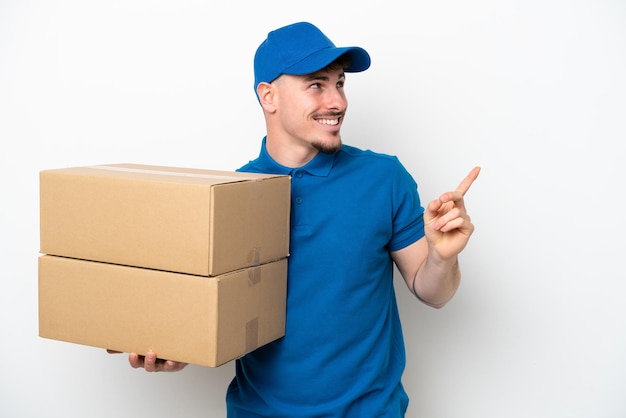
(265, 92)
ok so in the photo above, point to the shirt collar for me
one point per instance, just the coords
(319, 166)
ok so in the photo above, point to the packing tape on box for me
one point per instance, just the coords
(254, 276)
(252, 335)
(254, 190)
(163, 172)
(254, 256)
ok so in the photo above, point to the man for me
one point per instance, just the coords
(354, 214)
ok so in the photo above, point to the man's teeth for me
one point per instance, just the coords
(328, 121)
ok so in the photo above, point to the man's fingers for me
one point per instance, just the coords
(136, 361)
(173, 366)
(464, 186)
(150, 361)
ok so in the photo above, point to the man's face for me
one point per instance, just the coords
(311, 108)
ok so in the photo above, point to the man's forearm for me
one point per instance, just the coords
(436, 282)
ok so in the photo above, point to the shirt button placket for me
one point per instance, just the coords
(297, 197)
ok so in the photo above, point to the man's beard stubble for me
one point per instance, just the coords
(327, 148)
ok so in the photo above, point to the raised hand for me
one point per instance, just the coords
(447, 224)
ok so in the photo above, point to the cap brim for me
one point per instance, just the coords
(359, 60)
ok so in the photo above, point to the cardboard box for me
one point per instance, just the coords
(202, 320)
(193, 221)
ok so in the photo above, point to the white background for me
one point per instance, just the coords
(531, 90)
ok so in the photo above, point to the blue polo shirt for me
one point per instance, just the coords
(343, 351)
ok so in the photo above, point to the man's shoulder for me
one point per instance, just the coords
(363, 152)
(255, 166)
(368, 157)
(248, 167)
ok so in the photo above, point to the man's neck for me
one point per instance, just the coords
(289, 155)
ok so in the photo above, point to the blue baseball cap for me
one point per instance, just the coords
(299, 49)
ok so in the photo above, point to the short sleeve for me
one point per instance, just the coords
(408, 213)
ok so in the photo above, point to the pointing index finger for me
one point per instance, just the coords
(464, 186)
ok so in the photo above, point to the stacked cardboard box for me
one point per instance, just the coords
(188, 263)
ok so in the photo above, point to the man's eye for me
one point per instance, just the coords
(316, 85)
